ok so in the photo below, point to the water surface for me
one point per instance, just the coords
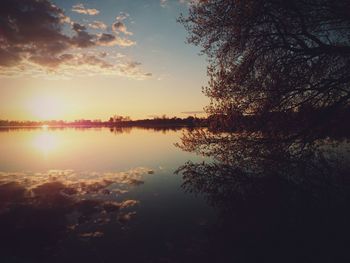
(111, 195)
(97, 195)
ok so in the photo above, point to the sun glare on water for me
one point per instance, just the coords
(45, 142)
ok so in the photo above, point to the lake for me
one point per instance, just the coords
(109, 195)
(121, 199)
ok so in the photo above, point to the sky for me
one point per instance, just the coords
(93, 59)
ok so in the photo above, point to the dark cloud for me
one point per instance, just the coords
(31, 30)
(48, 61)
(32, 35)
(95, 61)
(119, 26)
(83, 39)
(30, 26)
(78, 27)
(8, 58)
(107, 39)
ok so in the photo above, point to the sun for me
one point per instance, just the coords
(47, 107)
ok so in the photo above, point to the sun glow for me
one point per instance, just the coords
(47, 107)
(45, 142)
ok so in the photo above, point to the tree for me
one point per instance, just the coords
(273, 55)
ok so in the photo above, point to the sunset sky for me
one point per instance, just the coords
(93, 59)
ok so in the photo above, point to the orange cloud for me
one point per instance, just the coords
(81, 9)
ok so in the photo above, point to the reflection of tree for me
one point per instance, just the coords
(279, 78)
(120, 130)
(279, 201)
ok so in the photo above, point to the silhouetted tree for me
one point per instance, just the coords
(273, 55)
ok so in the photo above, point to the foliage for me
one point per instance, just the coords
(273, 55)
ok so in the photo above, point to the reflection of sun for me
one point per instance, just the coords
(45, 142)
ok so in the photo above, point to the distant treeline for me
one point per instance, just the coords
(322, 121)
(115, 121)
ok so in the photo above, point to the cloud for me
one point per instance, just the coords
(30, 26)
(132, 68)
(67, 66)
(98, 25)
(82, 38)
(193, 112)
(112, 40)
(163, 3)
(122, 16)
(81, 9)
(119, 26)
(8, 58)
(33, 42)
(124, 42)
(107, 40)
(191, 2)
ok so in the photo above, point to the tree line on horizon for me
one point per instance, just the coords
(115, 120)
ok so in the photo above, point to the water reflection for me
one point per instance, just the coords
(87, 149)
(280, 200)
(256, 199)
(43, 214)
(114, 130)
(45, 142)
(61, 211)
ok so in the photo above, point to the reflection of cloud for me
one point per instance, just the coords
(125, 217)
(129, 203)
(83, 182)
(43, 209)
(81, 9)
(91, 234)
